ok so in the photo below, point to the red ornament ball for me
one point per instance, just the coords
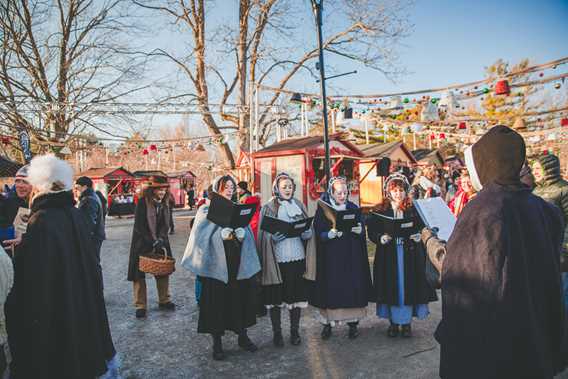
(145, 152)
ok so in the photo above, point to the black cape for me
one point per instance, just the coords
(417, 290)
(501, 289)
(56, 315)
(142, 239)
(343, 276)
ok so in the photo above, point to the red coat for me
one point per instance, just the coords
(254, 199)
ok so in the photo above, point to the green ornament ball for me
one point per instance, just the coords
(406, 100)
(486, 90)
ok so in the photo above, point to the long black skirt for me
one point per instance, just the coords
(230, 306)
(293, 288)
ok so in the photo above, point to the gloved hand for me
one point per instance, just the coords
(332, 234)
(226, 233)
(240, 234)
(416, 237)
(357, 229)
(306, 235)
(158, 244)
(385, 238)
(278, 237)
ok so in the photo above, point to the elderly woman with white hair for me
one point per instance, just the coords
(225, 261)
(56, 315)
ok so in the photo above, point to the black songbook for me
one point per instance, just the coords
(340, 220)
(227, 214)
(403, 227)
(289, 229)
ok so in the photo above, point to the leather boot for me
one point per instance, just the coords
(245, 343)
(406, 331)
(392, 330)
(275, 318)
(353, 330)
(295, 314)
(326, 332)
(218, 353)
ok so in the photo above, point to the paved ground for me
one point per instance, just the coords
(166, 345)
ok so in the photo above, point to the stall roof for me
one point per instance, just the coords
(105, 172)
(176, 174)
(429, 156)
(301, 143)
(145, 173)
(379, 150)
(8, 168)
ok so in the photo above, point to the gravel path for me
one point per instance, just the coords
(166, 344)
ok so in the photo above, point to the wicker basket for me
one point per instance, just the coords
(156, 264)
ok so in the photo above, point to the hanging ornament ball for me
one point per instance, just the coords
(486, 90)
(434, 101)
(475, 87)
(406, 100)
(432, 136)
(564, 122)
(153, 147)
(442, 136)
(541, 74)
(557, 86)
(481, 98)
(462, 125)
(145, 152)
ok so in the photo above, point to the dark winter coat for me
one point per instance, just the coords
(57, 321)
(501, 289)
(343, 276)
(92, 209)
(148, 227)
(554, 189)
(9, 208)
(385, 278)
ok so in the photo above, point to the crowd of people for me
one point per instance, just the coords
(502, 273)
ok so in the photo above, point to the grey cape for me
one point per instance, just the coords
(205, 255)
(270, 270)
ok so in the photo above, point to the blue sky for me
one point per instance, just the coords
(451, 42)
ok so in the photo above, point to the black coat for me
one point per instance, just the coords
(142, 239)
(9, 207)
(91, 207)
(501, 289)
(343, 276)
(385, 278)
(56, 315)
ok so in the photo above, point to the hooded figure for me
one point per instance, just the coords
(225, 261)
(552, 188)
(343, 287)
(502, 314)
(286, 261)
(56, 315)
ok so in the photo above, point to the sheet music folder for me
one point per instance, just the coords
(396, 228)
(227, 214)
(340, 220)
(289, 229)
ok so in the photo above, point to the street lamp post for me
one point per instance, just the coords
(317, 8)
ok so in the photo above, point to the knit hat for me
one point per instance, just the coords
(50, 174)
(22, 173)
(550, 166)
(497, 157)
(84, 181)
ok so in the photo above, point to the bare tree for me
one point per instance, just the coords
(60, 60)
(263, 46)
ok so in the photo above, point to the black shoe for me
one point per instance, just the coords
(169, 306)
(140, 313)
(278, 340)
(392, 330)
(326, 332)
(218, 353)
(353, 331)
(246, 344)
(295, 337)
(406, 331)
